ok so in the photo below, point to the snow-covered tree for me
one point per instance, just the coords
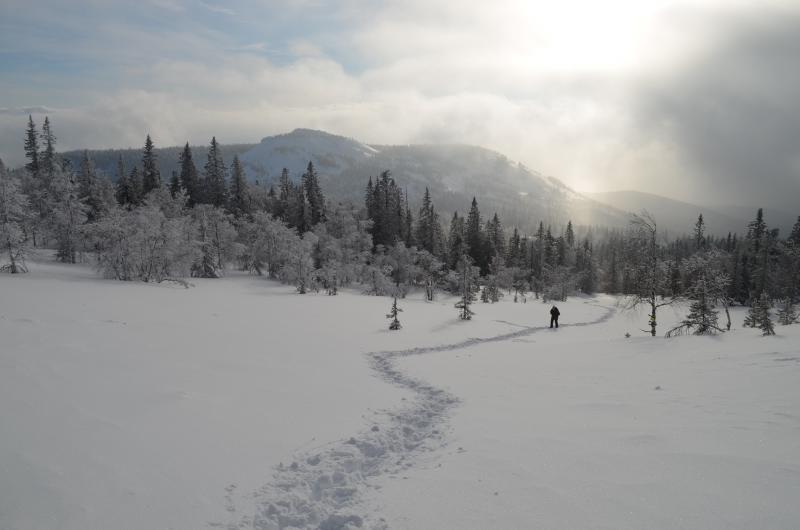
(13, 213)
(95, 190)
(466, 285)
(649, 273)
(787, 314)
(759, 316)
(299, 267)
(67, 215)
(430, 270)
(267, 244)
(144, 244)
(217, 238)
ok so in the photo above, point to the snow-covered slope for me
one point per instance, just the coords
(331, 154)
(239, 404)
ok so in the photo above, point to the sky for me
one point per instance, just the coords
(695, 100)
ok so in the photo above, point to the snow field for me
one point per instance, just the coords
(584, 428)
(240, 404)
(167, 407)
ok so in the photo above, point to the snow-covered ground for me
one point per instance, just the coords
(239, 404)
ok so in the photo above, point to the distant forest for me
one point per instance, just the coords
(168, 215)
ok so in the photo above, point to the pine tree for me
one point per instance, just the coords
(456, 246)
(465, 286)
(94, 191)
(189, 178)
(301, 211)
(124, 192)
(215, 192)
(151, 177)
(313, 193)
(758, 316)
(395, 323)
(175, 186)
(408, 225)
(67, 215)
(32, 148)
(475, 238)
(756, 230)
(285, 192)
(239, 194)
(569, 235)
(13, 212)
(135, 187)
(699, 233)
(794, 237)
(787, 314)
(496, 237)
(48, 162)
(425, 229)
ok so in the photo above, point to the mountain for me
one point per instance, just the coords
(453, 173)
(675, 216)
(679, 217)
(330, 154)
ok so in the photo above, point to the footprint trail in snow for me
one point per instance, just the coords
(322, 488)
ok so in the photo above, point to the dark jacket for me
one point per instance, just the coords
(554, 312)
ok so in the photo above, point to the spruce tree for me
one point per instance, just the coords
(699, 233)
(239, 195)
(794, 236)
(475, 238)
(215, 192)
(425, 230)
(48, 162)
(787, 314)
(32, 148)
(93, 189)
(465, 286)
(151, 177)
(395, 323)
(759, 317)
(175, 186)
(456, 246)
(136, 187)
(67, 215)
(569, 235)
(189, 178)
(285, 193)
(496, 237)
(124, 188)
(313, 193)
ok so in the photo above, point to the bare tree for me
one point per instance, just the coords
(650, 271)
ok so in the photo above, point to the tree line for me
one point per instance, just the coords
(200, 222)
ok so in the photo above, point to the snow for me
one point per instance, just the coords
(237, 402)
(331, 154)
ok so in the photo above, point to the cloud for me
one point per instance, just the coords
(25, 111)
(681, 98)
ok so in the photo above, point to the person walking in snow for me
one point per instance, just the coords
(554, 312)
